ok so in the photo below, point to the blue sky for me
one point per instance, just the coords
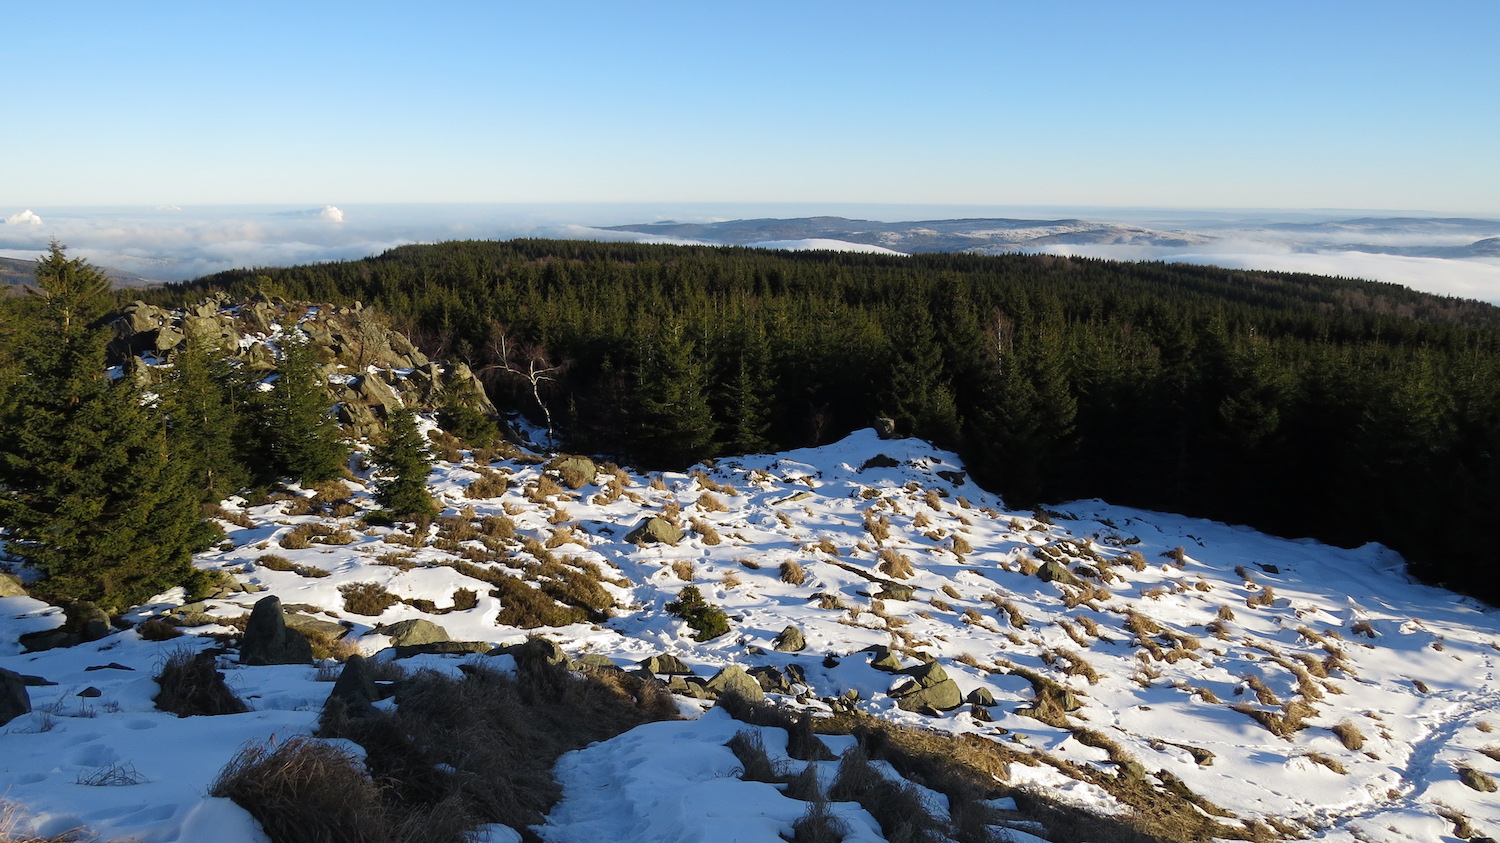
(1379, 105)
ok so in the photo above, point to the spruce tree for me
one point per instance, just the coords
(670, 420)
(301, 438)
(91, 498)
(403, 463)
(205, 399)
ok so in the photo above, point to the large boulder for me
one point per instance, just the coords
(790, 640)
(355, 689)
(83, 622)
(734, 680)
(771, 680)
(14, 700)
(655, 529)
(268, 640)
(414, 632)
(445, 648)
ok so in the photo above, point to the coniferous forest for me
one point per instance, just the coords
(1346, 410)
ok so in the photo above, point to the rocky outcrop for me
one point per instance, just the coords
(929, 690)
(268, 640)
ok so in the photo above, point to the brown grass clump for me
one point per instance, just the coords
(191, 686)
(1327, 761)
(481, 749)
(755, 764)
(878, 526)
(708, 502)
(543, 488)
(1028, 564)
(1284, 723)
(1265, 597)
(705, 531)
(276, 562)
(961, 546)
(683, 570)
(1363, 627)
(609, 494)
(1263, 694)
(792, 573)
(1350, 735)
(1225, 613)
(491, 484)
(367, 598)
(305, 791)
(894, 564)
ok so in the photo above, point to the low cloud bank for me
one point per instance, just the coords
(169, 243)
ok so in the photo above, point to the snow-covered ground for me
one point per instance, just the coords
(1156, 643)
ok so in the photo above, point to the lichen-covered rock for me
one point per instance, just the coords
(666, 664)
(981, 696)
(883, 658)
(268, 640)
(770, 679)
(942, 696)
(790, 640)
(1055, 571)
(655, 529)
(734, 680)
(413, 632)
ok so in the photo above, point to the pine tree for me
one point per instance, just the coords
(92, 499)
(300, 437)
(403, 463)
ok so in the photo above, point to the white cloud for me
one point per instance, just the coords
(23, 218)
(331, 214)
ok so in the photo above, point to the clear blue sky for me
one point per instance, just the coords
(1306, 104)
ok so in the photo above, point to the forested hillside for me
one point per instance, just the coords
(1347, 410)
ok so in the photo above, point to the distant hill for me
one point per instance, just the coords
(15, 271)
(986, 236)
(978, 236)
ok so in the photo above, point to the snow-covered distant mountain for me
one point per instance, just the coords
(979, 236)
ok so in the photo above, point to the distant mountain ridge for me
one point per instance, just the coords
(975, 235)
(1000, 235)
(14, 271)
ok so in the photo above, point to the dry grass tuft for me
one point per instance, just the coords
(708, 502)
(894, 564)
(191, 686)
(1350, 735)
(792, 573)
(705, 531)
(1265, 597)
(683, 570)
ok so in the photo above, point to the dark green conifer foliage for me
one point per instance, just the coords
(743, 402)
(669, 411)
(301, 439)
(207, 407)
(92, 498)
(403, 463)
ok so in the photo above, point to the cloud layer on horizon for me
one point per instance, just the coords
(172, 244)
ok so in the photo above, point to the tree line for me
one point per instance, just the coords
(1347, 410)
